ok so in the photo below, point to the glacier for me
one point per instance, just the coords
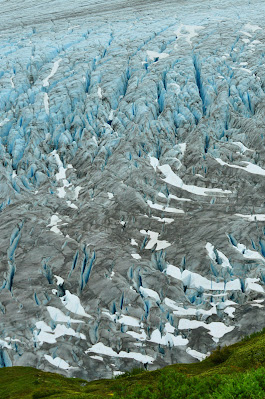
(131, 182)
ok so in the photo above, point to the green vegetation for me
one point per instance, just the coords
(237, 371)
(174, 385)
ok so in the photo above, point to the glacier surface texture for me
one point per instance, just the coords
(132, 176)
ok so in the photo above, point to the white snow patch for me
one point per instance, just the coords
(12, 339)
(174, 271)
(248, 253)
(77, 191)
(129, 321)
(160, 244)
(95, 140)
(136, 256)
(61, 175)
(73, 27)
(153, 55)
(116, 372)
(242, 147)
(46, 103)
(188, 32)
(164, 208)
(59, 279)
(61, 192)
(100, 92)
(169, 328)
(171, 196)
(252, 218)
(251, 285)
(133, 242)
(168, 339)
(174, 180)
(102, 349)
(180, 311)
(195, 280)
(216, 329)
(140, 336)
(183, 147)
(111, 115)
(110, 195)
(58, 362)
(53, 224)
(230, 311)
(250, 167)
(257, 305)
(113, 317)
(210, 249)
(154, 162)
(46, 334)
(53, 72)
(252, 28)
(4, 344)
(147, 292)
(72, 303)
(58, 316)
(197, 355)
(163, 220)
(71, 205)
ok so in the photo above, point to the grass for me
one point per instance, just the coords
(236, 371)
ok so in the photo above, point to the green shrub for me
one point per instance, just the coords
(254, 335)
(249, 385)
(172, 385)
(220, 355)
(44, 394)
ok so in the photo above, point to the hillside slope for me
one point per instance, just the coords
(233, 369)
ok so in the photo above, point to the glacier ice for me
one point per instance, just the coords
(132, 171)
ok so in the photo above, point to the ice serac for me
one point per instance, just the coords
(132, 175)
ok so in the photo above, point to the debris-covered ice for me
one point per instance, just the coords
(131, 182)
